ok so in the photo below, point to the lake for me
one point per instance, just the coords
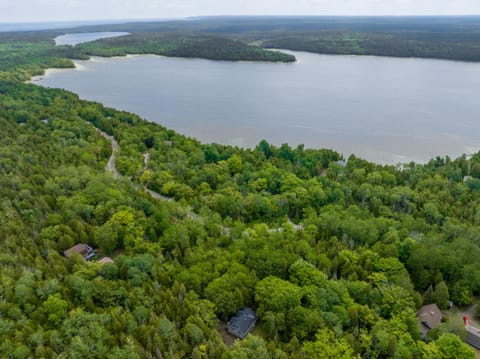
(387, 110)
(79, 38)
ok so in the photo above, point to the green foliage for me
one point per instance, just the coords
(182, 45)
(435, 37)
(276, 295)
(414, 42)
(22, 58)
(327, 346)
(462, 294)
(251, 347)
(55, 308)
(335, 259)
(232, 291)
(441, 295)
(304, 274)
(450, 346)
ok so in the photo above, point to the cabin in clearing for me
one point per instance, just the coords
(242, 323)
(429, 317)
(83, 249)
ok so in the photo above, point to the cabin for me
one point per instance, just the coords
(83, 249)
(473, 334)
(429, 317)
(105, 260)
(242, 323)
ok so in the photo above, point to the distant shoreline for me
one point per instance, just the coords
(88, 37)
(392, 156)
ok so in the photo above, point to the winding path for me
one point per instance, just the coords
(146, 157)
(156, 195)
(111, 161)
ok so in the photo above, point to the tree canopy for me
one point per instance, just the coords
(335, 260)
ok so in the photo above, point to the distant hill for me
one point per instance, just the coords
(442, 37)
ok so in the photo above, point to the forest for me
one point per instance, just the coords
(205, 46)
(335, 257)
(25, 54)
(442, 37)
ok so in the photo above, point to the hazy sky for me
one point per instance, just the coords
(60, 10)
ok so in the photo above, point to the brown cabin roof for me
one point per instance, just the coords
(79, 248)
(429, 317)
(84, 250)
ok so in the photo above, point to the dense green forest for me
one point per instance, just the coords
(183, 45)
(335, 259)
(25, 54)
(443, 37)
(397, 45)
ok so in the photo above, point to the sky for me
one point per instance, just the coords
(70, 10)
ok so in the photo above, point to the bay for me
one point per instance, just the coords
(387, 110)
(79, 38)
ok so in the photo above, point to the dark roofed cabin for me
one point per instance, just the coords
(429, 317)
(242, 323)
(83, 249)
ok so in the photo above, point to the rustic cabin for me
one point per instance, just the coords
(83, 249)
(242, 323)
(429, 317)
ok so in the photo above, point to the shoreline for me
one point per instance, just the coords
(77, 66)
(95, 36)
(299, 61)
(380, 158)
(376, 56)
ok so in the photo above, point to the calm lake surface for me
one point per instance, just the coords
(75, 39)
(386, 110)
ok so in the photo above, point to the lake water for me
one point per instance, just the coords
(79, 38)
(386, 110)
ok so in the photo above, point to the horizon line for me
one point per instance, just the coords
(233, 15)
